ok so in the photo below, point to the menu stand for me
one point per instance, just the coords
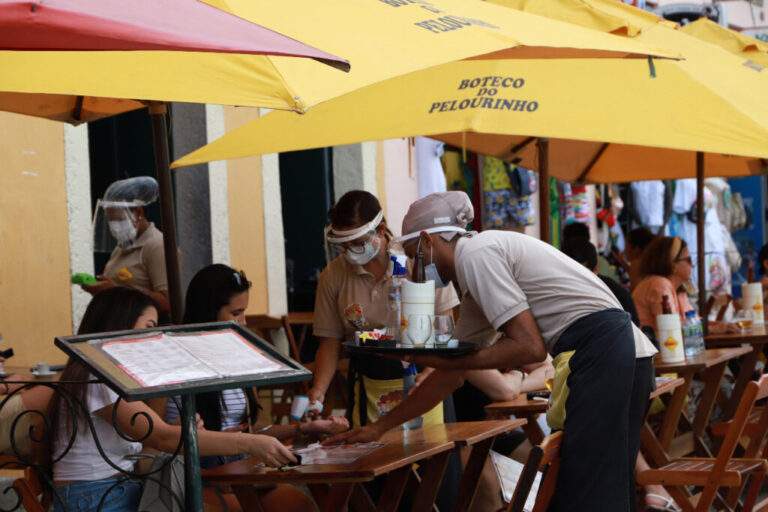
(108, 357)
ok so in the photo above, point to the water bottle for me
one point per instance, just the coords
(693, 334)
(394, 297)
(409, 378)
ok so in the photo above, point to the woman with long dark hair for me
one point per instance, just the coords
(80, 473)
(220, 293)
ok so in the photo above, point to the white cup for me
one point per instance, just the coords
(752, 300)
(670, 335)
(43, 368)
(300, 406)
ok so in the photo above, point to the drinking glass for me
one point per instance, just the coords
(443, 329)
(419, 329)
(744, 319)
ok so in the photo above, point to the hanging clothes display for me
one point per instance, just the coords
(683, 224)
(506, 195)
(722, 192)
(650, 204)
(430, 170)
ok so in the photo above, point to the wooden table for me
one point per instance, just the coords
(710, 365)
(27, 375)
(521, 407)
(757, 338)
(429, 446)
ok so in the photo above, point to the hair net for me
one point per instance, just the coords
(131, 192)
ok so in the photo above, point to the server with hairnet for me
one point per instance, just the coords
(138, 258)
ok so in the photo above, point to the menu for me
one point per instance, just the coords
(170, 358)
(509, 471)
(336, 454)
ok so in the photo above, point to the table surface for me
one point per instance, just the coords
(707, 359)
(27, 375)
(403, 448)
(757, 335)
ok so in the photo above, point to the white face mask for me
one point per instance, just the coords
(430, 271)
(370, 250)
(124, 232)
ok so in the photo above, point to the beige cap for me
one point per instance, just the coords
(448, 212)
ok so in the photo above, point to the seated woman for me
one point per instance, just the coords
(81, 475)
(220, 293)
(665, 268)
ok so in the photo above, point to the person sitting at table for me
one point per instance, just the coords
(540, 301)
(219, 293)
(656, 496)
(82, 477)
(665, 268)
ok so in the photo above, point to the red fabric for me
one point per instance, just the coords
(181, 25)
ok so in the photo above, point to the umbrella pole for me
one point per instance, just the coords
(157, 110)
(701, 263)
(542, 144)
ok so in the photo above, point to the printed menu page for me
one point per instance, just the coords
(509, 471)
(167, 359)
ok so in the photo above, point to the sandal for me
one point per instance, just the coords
(668, 506)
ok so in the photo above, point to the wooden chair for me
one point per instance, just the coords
(719, 303)
(31, 491)
(723, 471)
(545, 455)
(304, 320)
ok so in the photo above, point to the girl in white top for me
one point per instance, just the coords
(82, 477)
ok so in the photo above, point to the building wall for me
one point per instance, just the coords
(401, 179)
(35, 301)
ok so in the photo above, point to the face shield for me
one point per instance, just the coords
(358, 245)
(114, 224)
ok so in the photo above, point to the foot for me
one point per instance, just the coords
(659, 503)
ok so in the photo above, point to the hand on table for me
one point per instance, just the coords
(104, 283)
(364, 434)
(514, 380)
(332, 425)
(723, 327)
(267, 449)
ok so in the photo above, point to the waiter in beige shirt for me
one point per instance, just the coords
(540, 301)
(138, 260)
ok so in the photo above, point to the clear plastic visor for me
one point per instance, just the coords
(106, 212)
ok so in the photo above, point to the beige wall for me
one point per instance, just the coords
(246, 215)
(402, 185)
(35, 301)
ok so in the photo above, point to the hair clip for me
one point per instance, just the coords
(237, 278)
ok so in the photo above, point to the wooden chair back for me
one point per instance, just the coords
(31, 491)
(304, 319)
(546, 455)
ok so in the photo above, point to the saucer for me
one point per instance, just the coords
(42, 374)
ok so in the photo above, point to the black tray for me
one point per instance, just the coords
(392, 347)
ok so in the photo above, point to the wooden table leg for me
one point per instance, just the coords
(248, 496)
(712, 377)
(472, 471)
(651, 447)
(674, 410)
(430, 483)
(393, 490)
(337, 497)
(532, 429)
(360, 500)
(748, 364)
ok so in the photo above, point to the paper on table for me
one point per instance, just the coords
(338, 454)
(163, 359)
(509, 471)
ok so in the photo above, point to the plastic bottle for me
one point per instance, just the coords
(394, 297)
(693, 334)
(409, 379)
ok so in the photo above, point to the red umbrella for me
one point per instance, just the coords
(183, 25)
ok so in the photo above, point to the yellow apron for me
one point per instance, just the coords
(382, 396)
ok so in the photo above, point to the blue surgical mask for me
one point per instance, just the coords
(430, 271)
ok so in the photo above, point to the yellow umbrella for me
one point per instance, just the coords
(751, 49)
(381, 39)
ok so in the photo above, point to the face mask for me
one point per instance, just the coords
(124, 232)
(430, 271)
(369, 252)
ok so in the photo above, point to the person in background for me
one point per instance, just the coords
(138, 261)
(540, 301)
(82, 477)
(657, 499)
(219, 293)
(665, 268)
(636, 242)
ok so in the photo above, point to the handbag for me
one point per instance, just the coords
(164, 484)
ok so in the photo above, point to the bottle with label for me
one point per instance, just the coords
(394, 297)
(666, 308)
(409, 379)
(693, 334)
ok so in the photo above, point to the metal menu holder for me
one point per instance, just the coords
(183, 360)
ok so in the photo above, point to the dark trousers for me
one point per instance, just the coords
(608, 396)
